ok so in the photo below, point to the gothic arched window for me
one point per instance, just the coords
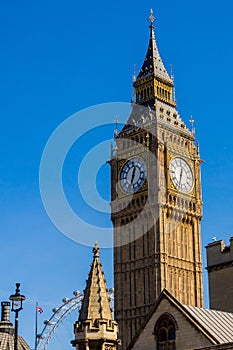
(165, 333)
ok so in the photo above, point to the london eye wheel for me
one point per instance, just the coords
(59, 328)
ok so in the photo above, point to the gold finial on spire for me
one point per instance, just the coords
(151, 18)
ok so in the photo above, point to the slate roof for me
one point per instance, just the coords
(153, 63)
(218, 323)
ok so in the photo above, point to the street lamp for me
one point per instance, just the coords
(17, 305)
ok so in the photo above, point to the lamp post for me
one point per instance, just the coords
(17, 305)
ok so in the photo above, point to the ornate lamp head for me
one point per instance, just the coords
(17, 299)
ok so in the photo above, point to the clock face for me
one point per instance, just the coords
(181, 174)
(133, 175)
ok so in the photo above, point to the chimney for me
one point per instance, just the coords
(5, 315)
(5, 324)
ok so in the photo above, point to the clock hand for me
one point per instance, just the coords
(181, 172)
(133, 175)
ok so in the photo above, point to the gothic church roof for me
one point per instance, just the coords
(217, 326)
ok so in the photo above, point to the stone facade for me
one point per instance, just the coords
(220, 275)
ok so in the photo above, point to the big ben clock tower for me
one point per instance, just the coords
(156, 201)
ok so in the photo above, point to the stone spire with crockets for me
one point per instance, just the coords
(96, 328)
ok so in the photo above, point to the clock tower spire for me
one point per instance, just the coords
(153, 81)
(156, 201)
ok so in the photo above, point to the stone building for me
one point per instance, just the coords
(7, 331)
(220, 275)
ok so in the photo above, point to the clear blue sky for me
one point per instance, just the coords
(58, 57)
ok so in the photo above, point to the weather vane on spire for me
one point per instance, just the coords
(151, 17)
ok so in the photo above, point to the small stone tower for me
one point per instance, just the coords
(5, 325)
(95, 328)
(220, 275)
